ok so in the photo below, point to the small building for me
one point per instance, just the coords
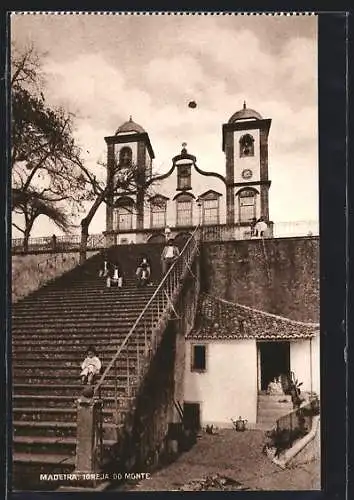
(235, 352)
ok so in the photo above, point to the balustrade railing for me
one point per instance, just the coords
(142, 340)
(58, 244)
(219, 232)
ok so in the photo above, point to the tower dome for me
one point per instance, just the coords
(245, 114)
(131, 127)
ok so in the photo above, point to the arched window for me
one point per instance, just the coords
(184, 210)
(246, 145)
(123, 214)
(247, 204)
(184, 177)
(210, 207)
(125, 157)
(158, 211)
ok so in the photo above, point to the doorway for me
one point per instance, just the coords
(191, 416)
(274, 361)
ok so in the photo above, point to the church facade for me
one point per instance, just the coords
(186, 195)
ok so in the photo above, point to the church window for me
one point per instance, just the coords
(158, 211)
(123, 214)
(198, 358)
(125, 157)
(246, 145)
(211, 211)
(184, 210)
(247, 205)
(184, 177)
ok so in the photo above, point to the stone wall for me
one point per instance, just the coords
(154, 405)
(280, 276)
(146, 436)
(186, 311)
(31, 271)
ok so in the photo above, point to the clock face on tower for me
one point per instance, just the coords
(246, 174)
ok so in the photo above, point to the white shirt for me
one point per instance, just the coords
(94, 361)
(261, 226)
(169, 253)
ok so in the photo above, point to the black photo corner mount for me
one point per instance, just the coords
(334, 29)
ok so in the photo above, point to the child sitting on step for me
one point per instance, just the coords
(91, 366)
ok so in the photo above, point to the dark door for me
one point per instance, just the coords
(275, 361)
(191, 416)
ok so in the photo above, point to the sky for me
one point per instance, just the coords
(106, 68)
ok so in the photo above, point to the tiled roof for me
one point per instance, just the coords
(223, 320)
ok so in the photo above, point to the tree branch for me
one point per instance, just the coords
(18, 228)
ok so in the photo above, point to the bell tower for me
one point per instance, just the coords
(129, 148)
(245, 144)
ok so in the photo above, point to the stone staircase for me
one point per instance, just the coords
(270, 408)
(51, 330)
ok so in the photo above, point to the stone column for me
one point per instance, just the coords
(87, 452)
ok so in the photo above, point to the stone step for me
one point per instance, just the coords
(65, 295)
(79, 339)
(50, 363)
(109, 293)
(125, 314)
(21, 378)
(92, 278)
(81, 306)
(115, 333)
(49, 445)
(273, 397)
(42, 428)
(26, 475)
(76, 351)
(56, 429)
(56, 414)
(85, 337)
(74, 323)
(273, 413)
(70, 390)
(92, 282)
(100, 299)
(275, 406)
(52, 400)
(48, 371)
(47, 459)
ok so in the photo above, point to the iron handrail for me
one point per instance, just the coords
(144, 310)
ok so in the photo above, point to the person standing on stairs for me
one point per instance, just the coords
(253, 227)
(105, 269)
(261, 227)
(91, 366)
(168, 256)
(143, 272)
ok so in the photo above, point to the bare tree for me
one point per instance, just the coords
(121, 181)
(47, 174)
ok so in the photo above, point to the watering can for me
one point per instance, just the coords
(240, 424)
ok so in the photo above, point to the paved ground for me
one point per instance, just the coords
(235, 455)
